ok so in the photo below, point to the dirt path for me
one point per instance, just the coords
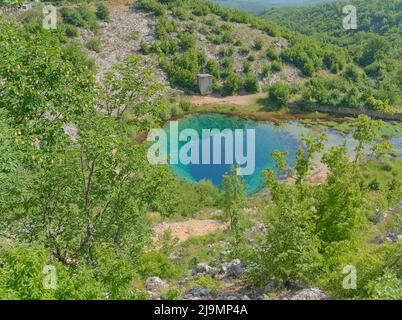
(244, 100)
(190, 228)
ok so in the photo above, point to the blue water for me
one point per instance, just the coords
(268, 138)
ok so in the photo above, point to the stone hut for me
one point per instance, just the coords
(204, 83)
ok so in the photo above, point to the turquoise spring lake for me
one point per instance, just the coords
(268, 137)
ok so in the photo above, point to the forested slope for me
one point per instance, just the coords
(376, 44)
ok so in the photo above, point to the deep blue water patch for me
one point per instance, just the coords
(268, 137)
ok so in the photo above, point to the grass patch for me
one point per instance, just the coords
(383, 172)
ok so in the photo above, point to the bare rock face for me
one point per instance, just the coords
(205, 268)
(234, 268)
(155, 283)
(309, 294)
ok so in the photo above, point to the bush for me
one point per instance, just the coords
(145, 48)
(185, 105)
(83, 17)
(135, 35)
(280, 92)
(258, 44)
(102, 12)
(251, 58)
(276, 66)
(272, 54)
(246, 66)
(174, 111)
(88, 16)
(72, 16)
(72, 52)
(187, 41)
(180, 13)
(374, 185)
(244, 51)
(266, 70)
(172, 294)
(231, 85)
(156, 264)
(94, 44)
(71, 31)
(213, 68)
(183, 70)
(251, 83)
(157, 8)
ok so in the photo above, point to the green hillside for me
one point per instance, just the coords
(376, 44)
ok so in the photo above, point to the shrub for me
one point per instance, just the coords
(180, 13)
(251, 84)
(387, 287)
(272, 54)
(266, 70)
(72, 52)
(156, 264)
(172, 294)
(238, 43)
(227, 37)
(145, 47)
(135, 35)
(102, 12)
(185, 105)
(244, 51)
(213, 68)
(258, 44)
(70, 30)
(157, 8)
(251, 58)
(94, 44)
(174, 111)
(351, 73)
(276, 66)
(246, 66)
(226, 52)
(183, 70)
(231, 85)
(187, 41)
(374, 185)
(88, 16)
(72, 16)
(307, 57)
(280, 92)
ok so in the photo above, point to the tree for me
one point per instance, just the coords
(381, 106)
(37, 90)
(381, 149)
(341, 208)
(131, 86)
(367, 130)
(234, 197)
(304, 158)
(291, 248)
(183, 69)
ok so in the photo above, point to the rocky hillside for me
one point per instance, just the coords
(183, 43)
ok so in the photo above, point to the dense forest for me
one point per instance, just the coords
(375, 46)
(77, 192)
